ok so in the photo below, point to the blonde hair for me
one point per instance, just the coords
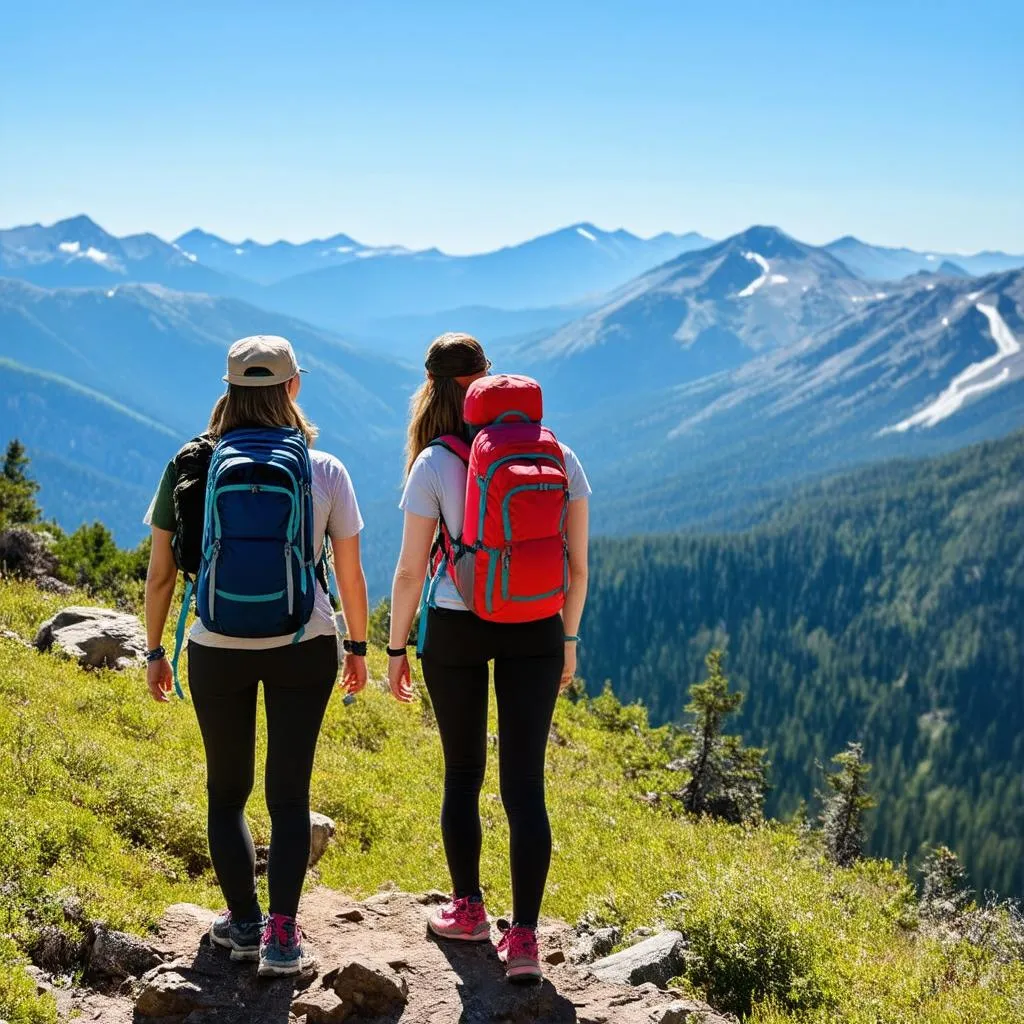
(269, 406)
(436, 407)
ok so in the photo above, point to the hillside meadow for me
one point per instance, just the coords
(101, 801)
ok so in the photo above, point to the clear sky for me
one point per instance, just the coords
(472, 125)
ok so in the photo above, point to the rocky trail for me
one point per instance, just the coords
(376, 962)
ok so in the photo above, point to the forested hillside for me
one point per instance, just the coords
(884, 606)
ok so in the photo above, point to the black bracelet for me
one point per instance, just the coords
(157, 654)
(356, 647)
(397, 652)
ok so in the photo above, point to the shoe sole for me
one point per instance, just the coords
(284, 970)
(237, 952)
(475, 936)
(524, 974)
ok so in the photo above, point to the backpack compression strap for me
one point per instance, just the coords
(442, 552)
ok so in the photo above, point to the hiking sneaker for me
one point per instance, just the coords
(281, 953)
(517, 950)
(464, 919)
(241, 937)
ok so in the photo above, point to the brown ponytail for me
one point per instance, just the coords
(436, 407)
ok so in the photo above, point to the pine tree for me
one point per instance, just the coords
(727, 780)
(843, 817)
(17, 489)
(944, 888)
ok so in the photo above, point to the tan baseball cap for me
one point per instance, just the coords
(261, 360)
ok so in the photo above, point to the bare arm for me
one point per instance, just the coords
(577, 528)
(348, 567)
(161, 576)
(417, 537)
(351, 585)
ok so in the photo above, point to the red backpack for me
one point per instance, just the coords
(511, 563)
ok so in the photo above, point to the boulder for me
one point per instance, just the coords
(26, 554)
(590, 946)
(319, 1006)
(368, 988)
(94, 637)
(321, 832)
(687, 1011)
(118, 955)
(657, 959)
(166, 993)
(52, 585)
(56, 951)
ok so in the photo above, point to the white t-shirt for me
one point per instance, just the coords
(437, 487)
(335, 515)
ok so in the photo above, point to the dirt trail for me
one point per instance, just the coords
(448, 983)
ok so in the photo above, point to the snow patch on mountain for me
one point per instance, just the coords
(976, 378)
(755, 257)
(71, 247)
(96, 255)
(586, 234)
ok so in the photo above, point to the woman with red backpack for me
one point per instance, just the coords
(496, 521)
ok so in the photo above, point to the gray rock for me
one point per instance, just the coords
(26, 554)
(40, 979)
(55, 951)
(369, 989)
(319, 1006)
(9, 634)
(352, 914)
(120, 955)
(321, 832)
(590, 946)
(94, 637)
(168, 994)
(52, 585)
(638, 934)
(657, 959)
(433, 897)
(686, 1011)
(181, 918)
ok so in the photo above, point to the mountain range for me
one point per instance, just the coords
(694, 391)
(881, 263)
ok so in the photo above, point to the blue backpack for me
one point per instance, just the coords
(257, 573)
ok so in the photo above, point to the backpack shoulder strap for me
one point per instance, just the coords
(456, 445)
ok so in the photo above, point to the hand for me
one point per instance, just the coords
(569, 668)
(399, 679)
(159, 679)
(353, 676)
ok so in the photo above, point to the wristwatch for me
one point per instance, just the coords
(397, 652)
(157, 654)
(356, 647)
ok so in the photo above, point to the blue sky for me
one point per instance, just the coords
(472, 125)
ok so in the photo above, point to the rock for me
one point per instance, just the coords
(433, 898)
(120, 955)
(40, 978)
(590, 946)
(657, 959)
(319, 1006)
(55, 951)
(186, 917)
(687, 1011)
(321, 832)
(52, 585)
(262, 860)
(168, 994)
(353, 914)
(9, 634)
(638, 934)
(94, 637)
(26, 554)
(369, 989)
(555, 957)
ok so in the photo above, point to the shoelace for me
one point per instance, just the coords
(463, 911)
(519, 942)
(284, 929)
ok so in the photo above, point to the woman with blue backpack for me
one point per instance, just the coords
(494, 551)
(245, 511)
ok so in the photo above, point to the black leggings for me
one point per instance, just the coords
(297, 683)
(528, 660)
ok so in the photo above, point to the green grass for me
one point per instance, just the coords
(101, 796)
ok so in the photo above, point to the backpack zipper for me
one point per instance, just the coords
(215, 552)
(289, 583)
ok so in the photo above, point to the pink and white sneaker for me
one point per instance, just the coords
(464, 919)
(517, 950)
